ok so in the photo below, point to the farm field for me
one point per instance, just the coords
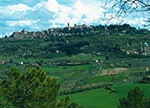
(102, 98)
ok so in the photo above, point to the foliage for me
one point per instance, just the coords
(135, 99)
(145, 79)
(34, 89)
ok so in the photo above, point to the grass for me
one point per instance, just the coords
(123, 89)
(99, 98)
(80, 57)
(67, 68)
(67, 71)
(102, 98)
(106, 78)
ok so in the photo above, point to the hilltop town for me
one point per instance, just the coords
(113, 30)
(66, 31)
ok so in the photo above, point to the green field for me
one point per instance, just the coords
(102, 98)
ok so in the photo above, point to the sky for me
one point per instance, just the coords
(38, 15)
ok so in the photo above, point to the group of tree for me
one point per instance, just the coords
(32, 89)
(84, 89)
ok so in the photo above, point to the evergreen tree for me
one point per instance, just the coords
(34, 89)
(135, 99)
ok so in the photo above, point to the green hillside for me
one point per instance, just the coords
(102, 98)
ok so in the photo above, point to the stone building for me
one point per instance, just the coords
(19, 34)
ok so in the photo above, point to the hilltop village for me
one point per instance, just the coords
(124, 30)
(66, 31)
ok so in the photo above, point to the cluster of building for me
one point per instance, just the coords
(2, 62)
(66, 31)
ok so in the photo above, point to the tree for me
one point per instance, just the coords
(123, 8)
(34, 89)
(135, 99)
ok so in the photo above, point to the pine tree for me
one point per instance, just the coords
(134, 99)
(34, 89)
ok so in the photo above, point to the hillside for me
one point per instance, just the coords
(83, 61)
(112, 39)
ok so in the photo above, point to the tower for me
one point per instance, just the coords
(75, 25)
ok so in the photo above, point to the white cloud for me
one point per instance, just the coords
(112, 19)
(19, 23)
(1, 35)
(11, 9)
(78, 13)
(50, 13)
(51, 5)
(19, 7)
(132, 22)
(135, 21)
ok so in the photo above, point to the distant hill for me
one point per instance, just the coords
(113, 40)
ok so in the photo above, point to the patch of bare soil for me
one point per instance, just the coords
(112, 71)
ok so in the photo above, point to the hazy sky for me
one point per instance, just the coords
(37, 15)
